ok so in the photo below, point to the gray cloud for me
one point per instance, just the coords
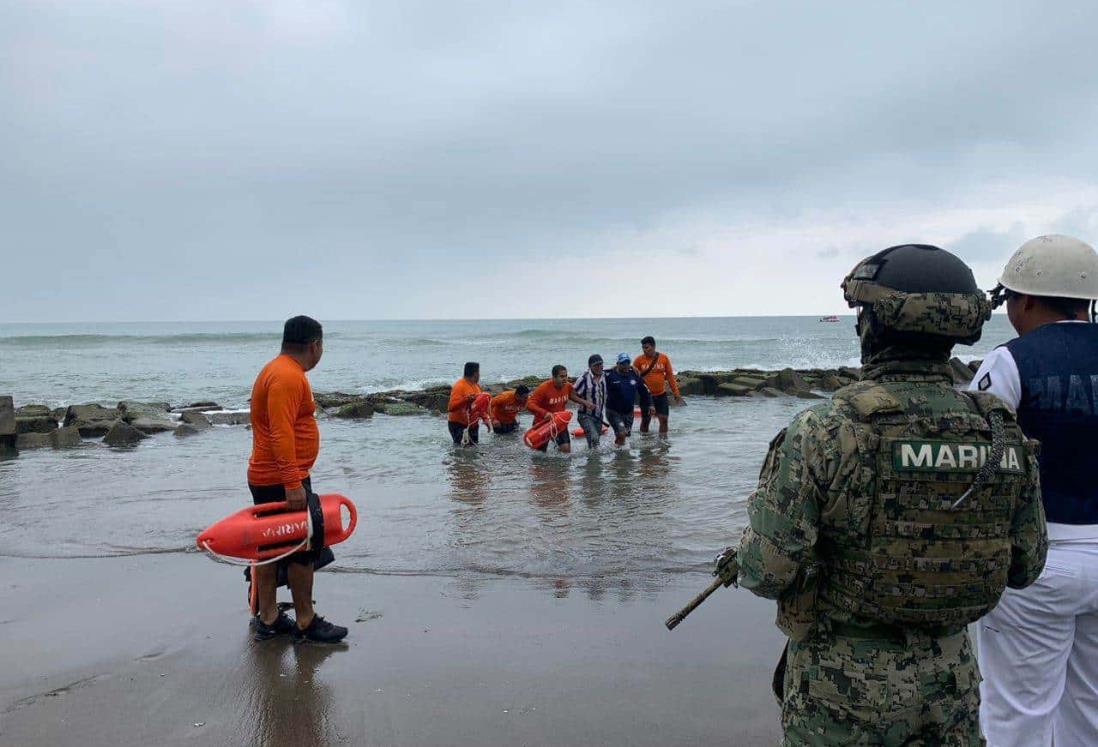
(221, 151)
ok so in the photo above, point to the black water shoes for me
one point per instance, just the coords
(320, 631)
(282, 625)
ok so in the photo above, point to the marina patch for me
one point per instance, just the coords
(952, 456)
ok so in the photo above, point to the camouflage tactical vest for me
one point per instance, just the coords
(894, 547)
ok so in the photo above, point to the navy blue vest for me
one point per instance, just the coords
(1058, 368)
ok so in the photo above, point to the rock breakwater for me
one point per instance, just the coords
(130, 422)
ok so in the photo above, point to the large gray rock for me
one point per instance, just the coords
(690, 385)
(186, 429)
(203, 406)
(92, 420)
(122, 433)
(733, 390)
(788, 381)
(7, 416)
(355, 411)
(400, 408)
(335, 399)
(32, 411)
(751, 382)
(65, 438)
(230, 417)
(131, 409)
(35, 424)
(148, 417)
(195, 419)
(151, 425)
(32, 440)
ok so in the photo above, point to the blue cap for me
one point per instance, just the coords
(624, 358)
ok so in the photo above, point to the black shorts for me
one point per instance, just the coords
(562, 438)
(273, 494)
(505, 428)
(662, 405)
(457, 432)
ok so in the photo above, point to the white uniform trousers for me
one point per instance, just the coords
(1038, 654)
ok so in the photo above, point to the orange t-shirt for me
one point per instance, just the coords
(660, 376)
(285, 438)
(547, 398)
(505, 408)
(459, 409)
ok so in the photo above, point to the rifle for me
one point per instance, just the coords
(726, 570)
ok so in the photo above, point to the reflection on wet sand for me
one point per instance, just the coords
(283, 703)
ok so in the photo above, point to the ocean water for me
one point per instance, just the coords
(607, 521)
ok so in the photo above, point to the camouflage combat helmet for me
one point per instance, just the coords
(915, 294)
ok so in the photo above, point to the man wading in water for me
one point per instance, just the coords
(655, 369)
(285, 443)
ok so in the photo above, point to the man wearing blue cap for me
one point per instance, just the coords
(623, 384)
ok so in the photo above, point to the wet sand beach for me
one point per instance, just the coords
(156, 650)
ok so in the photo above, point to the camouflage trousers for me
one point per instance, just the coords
(909, 690)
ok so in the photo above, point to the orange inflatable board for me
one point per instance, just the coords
(580, 433)
(548, 429)
(269, 529)
(479, 409)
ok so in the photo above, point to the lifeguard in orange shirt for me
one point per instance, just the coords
(655, 368)
(506, 407)
(553, 396)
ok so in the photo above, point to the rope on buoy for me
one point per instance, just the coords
(252, 563)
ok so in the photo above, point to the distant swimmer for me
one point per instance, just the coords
(623, 386)
(553, 396)
(592, 386)
(506, 407)
(655, 369)
(285, 444)
(459, 411)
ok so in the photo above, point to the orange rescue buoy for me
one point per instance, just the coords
(479, 409)
(269, 530)
(580, 432)
(547, 429)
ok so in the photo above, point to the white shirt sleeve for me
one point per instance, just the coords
(998, 374)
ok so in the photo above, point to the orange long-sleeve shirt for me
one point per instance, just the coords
(505, 408)
(660, 377)
(285, 437)
(547, 398)
(458, 409)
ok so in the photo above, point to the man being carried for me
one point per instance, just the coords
(553, 396)
(462, 394)
(622, 386)
(655, 369)
(506, 407)
(285, 443)
(592, 386)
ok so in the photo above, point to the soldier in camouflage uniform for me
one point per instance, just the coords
(891, 517)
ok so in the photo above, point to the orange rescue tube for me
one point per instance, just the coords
(479, 409)
(548, 429)
(579, 432)
(269, 529)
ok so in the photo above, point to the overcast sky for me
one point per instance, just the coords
(217, 159)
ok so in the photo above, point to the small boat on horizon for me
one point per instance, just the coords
(831, 318)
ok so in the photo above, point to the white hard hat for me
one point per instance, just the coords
(1054, 266)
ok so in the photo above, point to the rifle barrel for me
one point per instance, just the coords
(692, 605)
